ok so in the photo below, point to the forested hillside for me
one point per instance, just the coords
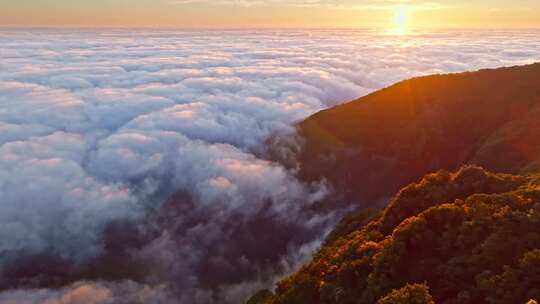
(461, 235)
(370, 148)
(465, 237)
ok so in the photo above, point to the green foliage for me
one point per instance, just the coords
(471, 236)
(410, 294)
(444, 187)
(514, 284)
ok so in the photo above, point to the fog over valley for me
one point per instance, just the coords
(137, 166)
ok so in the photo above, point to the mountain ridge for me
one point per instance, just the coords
(461, 235)
(394, 136)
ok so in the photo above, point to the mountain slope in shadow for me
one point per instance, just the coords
(371, 147)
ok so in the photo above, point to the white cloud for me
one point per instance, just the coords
(91, 293)
(95, 125)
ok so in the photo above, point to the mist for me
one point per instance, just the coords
(135, 165)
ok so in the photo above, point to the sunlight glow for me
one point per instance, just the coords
(401, 20)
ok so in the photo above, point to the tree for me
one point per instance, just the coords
(410, 294)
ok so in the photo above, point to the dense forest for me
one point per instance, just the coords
(465, 237)
(461, 235)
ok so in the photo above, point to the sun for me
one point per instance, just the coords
(401, 20)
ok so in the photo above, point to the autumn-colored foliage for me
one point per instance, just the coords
(465, 237)
(410, 294)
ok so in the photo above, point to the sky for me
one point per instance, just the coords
(271, 13)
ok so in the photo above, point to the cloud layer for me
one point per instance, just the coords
(97, 127)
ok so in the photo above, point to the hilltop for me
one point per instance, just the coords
(463, 234)
(371, 147)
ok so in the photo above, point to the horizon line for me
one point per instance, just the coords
(237, 28)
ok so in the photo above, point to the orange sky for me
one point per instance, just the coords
(271, 13)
